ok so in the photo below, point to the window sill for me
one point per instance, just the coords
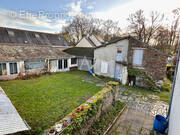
(138, 67)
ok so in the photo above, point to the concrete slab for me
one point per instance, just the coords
(133, 122)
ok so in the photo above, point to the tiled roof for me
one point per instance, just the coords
(17, 36)
(29, 52)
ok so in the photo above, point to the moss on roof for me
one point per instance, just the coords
(30, 52)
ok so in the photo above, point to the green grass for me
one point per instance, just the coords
(46, 100)
(164, 95)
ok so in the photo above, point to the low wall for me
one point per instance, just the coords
(8, 77)
(80, 120)
(34, 71)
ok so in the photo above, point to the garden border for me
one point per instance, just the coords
(114, 121)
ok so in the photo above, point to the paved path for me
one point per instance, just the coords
(133, 122)
(138, 118)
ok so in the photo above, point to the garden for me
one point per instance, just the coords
(45, 100)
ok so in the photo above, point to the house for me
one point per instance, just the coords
(25, 52)
(84, 57)
(25, 37)
(27, 59)
(91, 41)
(114, 59)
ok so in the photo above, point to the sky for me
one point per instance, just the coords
(52, 15)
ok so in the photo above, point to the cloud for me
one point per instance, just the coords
(121, 12)
(43, 22)
(75, 8)
(90, 7)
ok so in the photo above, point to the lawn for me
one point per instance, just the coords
(45, 100)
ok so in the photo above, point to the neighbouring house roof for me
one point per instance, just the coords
(30, 52)
(128, 37)
(93, 41)
(81, 52)
(17, 36)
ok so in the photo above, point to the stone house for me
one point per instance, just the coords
(114, 58)
(84, 57)
(28, 52)
(91, 41)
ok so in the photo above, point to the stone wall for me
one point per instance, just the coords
(154, 62)
(108, 100)
(80, 121)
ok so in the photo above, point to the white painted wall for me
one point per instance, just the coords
(84, 43)
(108, 54)
(174, 122)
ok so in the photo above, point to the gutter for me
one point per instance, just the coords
(174, 82)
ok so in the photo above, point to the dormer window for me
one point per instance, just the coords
(11, 33)
(37, 36)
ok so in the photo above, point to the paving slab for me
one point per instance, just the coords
(132, 122)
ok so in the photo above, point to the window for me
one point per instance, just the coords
(13, 68)
(73, 61)
(37, 64)
(60, 64)
(3, 70)
(37, 36)
(138, 57)
(11, 33)
(119, 56)
(65, 64)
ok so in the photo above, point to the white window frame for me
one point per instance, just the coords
(63, 69)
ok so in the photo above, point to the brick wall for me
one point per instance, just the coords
(154, 62)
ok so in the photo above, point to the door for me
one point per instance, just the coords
(63, 65)
(118, 72)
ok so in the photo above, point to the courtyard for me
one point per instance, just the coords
(45, 100)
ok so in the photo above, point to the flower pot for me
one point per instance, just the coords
(78, 109)
(65, 123)
(52, 132)
(58, 127)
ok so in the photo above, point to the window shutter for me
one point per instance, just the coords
(104, 67)
(138, 57)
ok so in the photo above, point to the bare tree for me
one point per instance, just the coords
(142, 27)
(82, 26)
(137, 24)
(167, 38)
(110, 29)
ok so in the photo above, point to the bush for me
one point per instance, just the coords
(28, 76)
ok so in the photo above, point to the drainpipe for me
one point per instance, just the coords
(174, 82)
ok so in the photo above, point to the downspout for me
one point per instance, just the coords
(174, 82)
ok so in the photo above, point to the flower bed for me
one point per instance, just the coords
(81, 114)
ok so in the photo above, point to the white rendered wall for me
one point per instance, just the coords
(174, 122)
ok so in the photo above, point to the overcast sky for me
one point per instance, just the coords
(51, 15)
